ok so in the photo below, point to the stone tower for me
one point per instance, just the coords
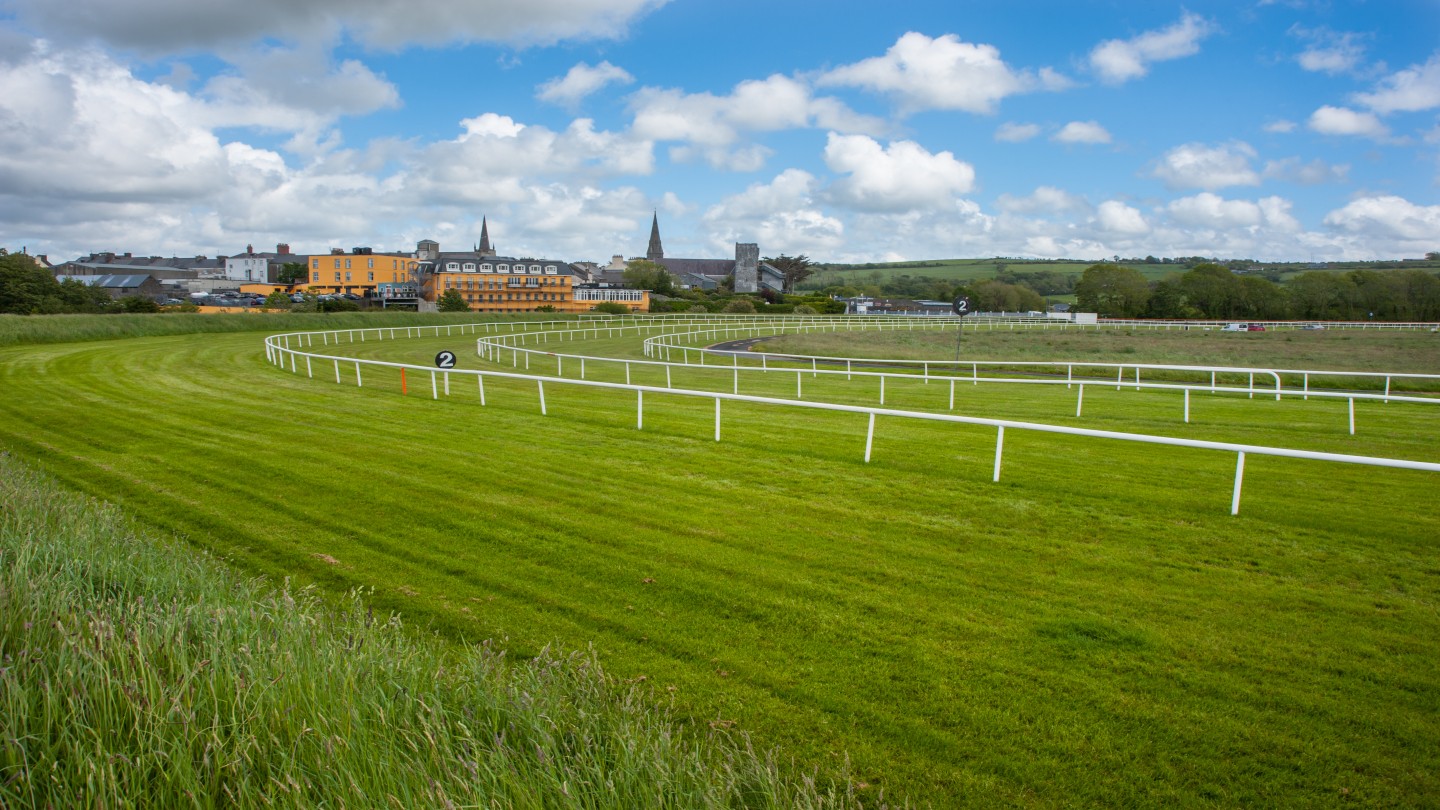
(747, 267)
(655, 252)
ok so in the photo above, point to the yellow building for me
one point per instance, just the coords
(359, 272)
(491, 283)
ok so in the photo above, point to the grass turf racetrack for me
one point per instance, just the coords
(1093, 630)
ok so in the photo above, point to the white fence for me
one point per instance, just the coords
(279, 350)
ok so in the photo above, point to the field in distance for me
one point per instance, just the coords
(1094, 630)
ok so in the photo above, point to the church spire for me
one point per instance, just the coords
(655, 252)
(485, 249)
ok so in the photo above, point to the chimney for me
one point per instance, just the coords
(249, 249)
(282, 249)
(127, 254)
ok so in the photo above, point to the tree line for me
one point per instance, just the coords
(1213, 292)
(26, 288)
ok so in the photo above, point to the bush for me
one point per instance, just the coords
(805, 309)
(740, 305)
(277, 299)
(452, 301)
(698, 309)
(138, 303)
(611, 308)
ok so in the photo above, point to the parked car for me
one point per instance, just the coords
(1311, 327)
(1254, 327)
(1233, 327)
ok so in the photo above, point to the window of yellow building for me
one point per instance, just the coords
(371, 276)
(347, 276)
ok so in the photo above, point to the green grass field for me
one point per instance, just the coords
(1093, 630)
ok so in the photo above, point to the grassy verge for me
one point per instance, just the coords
(138, 673)
(31, 329)
(1095, 630)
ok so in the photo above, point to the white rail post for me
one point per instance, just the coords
(1387, 388)
(357, 373)
(639, 410)
(1307, 386)
(927, 373)
(869, 437)
(1069, 375)
(1119, 376)
(434, 389)
(1239, 477)
(974, 373)
(1252, 385)
(337, 372)
(541, 385)
(798, 393)
(447, 383)
(717, 419)
(559, 366)
(1137, 378)
(293, 368)
(1212, 382)
(1187, 406)
(1080, 400)
(737, 382)
(847, 370)
(999, 449)
(1352, 416)
(882, 389)
(667, 377)
(952, 393)
(481, 379)
(582, 368)
(308, 372)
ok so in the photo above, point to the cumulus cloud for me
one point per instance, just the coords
(1388, 218)
(580, 81)
(1120, 60)
(710, 124)
(1196, 165)
(1279, 127)
(782, 216)
(1344, 121)
(1210, 211)
(1011, 132)
(943, 73)
(1118, 218)
(1082, 132)
(1413, 89)
(900, 176)
(184, 25)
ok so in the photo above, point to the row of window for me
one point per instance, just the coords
(369, 264)
(315, 276)
(470, 284)
(497, 297)
(487, 267)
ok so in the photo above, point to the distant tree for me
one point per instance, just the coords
(292, 273)
(795, 268)
(545, 308)
(1433, 256)
(989, 295)
(452, 301)
(643, 274)
(77, 296)
(1167, 300)
(137, 303)
(1213, 290)
(26, 287)
(1109, 289)
(277, 299)
(740, 306)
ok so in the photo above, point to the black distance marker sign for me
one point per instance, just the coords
(445, 360)
(962, 305)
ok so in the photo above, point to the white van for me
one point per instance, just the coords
(1235, 327)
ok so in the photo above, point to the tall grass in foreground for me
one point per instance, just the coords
(135, 672)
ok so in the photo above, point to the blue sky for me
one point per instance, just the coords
(848, 131)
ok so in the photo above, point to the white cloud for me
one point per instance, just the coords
(1045, 199)
(1011, 132)
(1082, 132)
(1389, 218)
(1207, 210)
(1317, 171)
(1195, 165)
(1279, 127)
(1344, 121)
(1118, 218)
(580, 81)
(185, 25)
(897, 177)
(782, 216)
(1410, 90)
(941, 74)
(710, 124)
(1120, 60)
(1329, 52)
